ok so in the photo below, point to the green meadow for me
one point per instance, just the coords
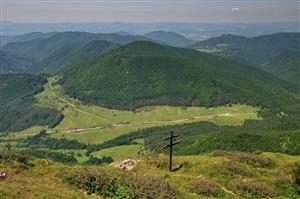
(93, 124)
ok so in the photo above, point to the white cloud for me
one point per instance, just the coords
(236, 9)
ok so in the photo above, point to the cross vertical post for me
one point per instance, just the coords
(170, 146)
(170, 158)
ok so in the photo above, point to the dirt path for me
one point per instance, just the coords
(114, 125)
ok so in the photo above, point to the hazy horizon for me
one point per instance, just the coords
(146, 11)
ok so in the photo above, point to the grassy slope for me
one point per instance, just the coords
(119, 152)
(43, 181)
(40, 181)
(93, 124)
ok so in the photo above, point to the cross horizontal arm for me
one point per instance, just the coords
(166, 146)
(175, 143)
(170, 145)
(174, 136)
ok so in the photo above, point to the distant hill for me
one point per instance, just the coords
(18, 110)
(41, 48)
(13, 63)
(26, 37)
(146, 73)
(169, 38)
(70, 53)
(261, 51)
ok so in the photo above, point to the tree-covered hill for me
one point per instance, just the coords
(18, 109)
(42, 47)
(50, 54)
(145, 73)
(268, 52)
(70, 53)
(169, 38)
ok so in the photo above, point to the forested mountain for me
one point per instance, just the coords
(41, 48)
(264, 51)
(13, 63)
(169, 38)
(18, 110)
(146, 73)
(70, 53)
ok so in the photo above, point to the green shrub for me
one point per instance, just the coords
(91, 180)
(17, 158)
(55, 156)
(297, 176)
(98, 161)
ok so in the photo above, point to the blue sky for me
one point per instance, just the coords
(149, 10)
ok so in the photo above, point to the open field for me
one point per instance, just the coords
(93, 124)
(120, 152)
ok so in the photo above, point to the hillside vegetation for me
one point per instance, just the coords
(218, 175)
(144, 73)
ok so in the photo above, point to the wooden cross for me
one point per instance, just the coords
(170, 145)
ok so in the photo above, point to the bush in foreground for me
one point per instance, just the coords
(149, 187)
(255, 189)
(234, 167)
(98, 181)
(206, 187)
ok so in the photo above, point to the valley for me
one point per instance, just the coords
(92, 124)
(75, 107)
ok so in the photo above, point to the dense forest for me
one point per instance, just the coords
(18, 107)
(145, 73)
